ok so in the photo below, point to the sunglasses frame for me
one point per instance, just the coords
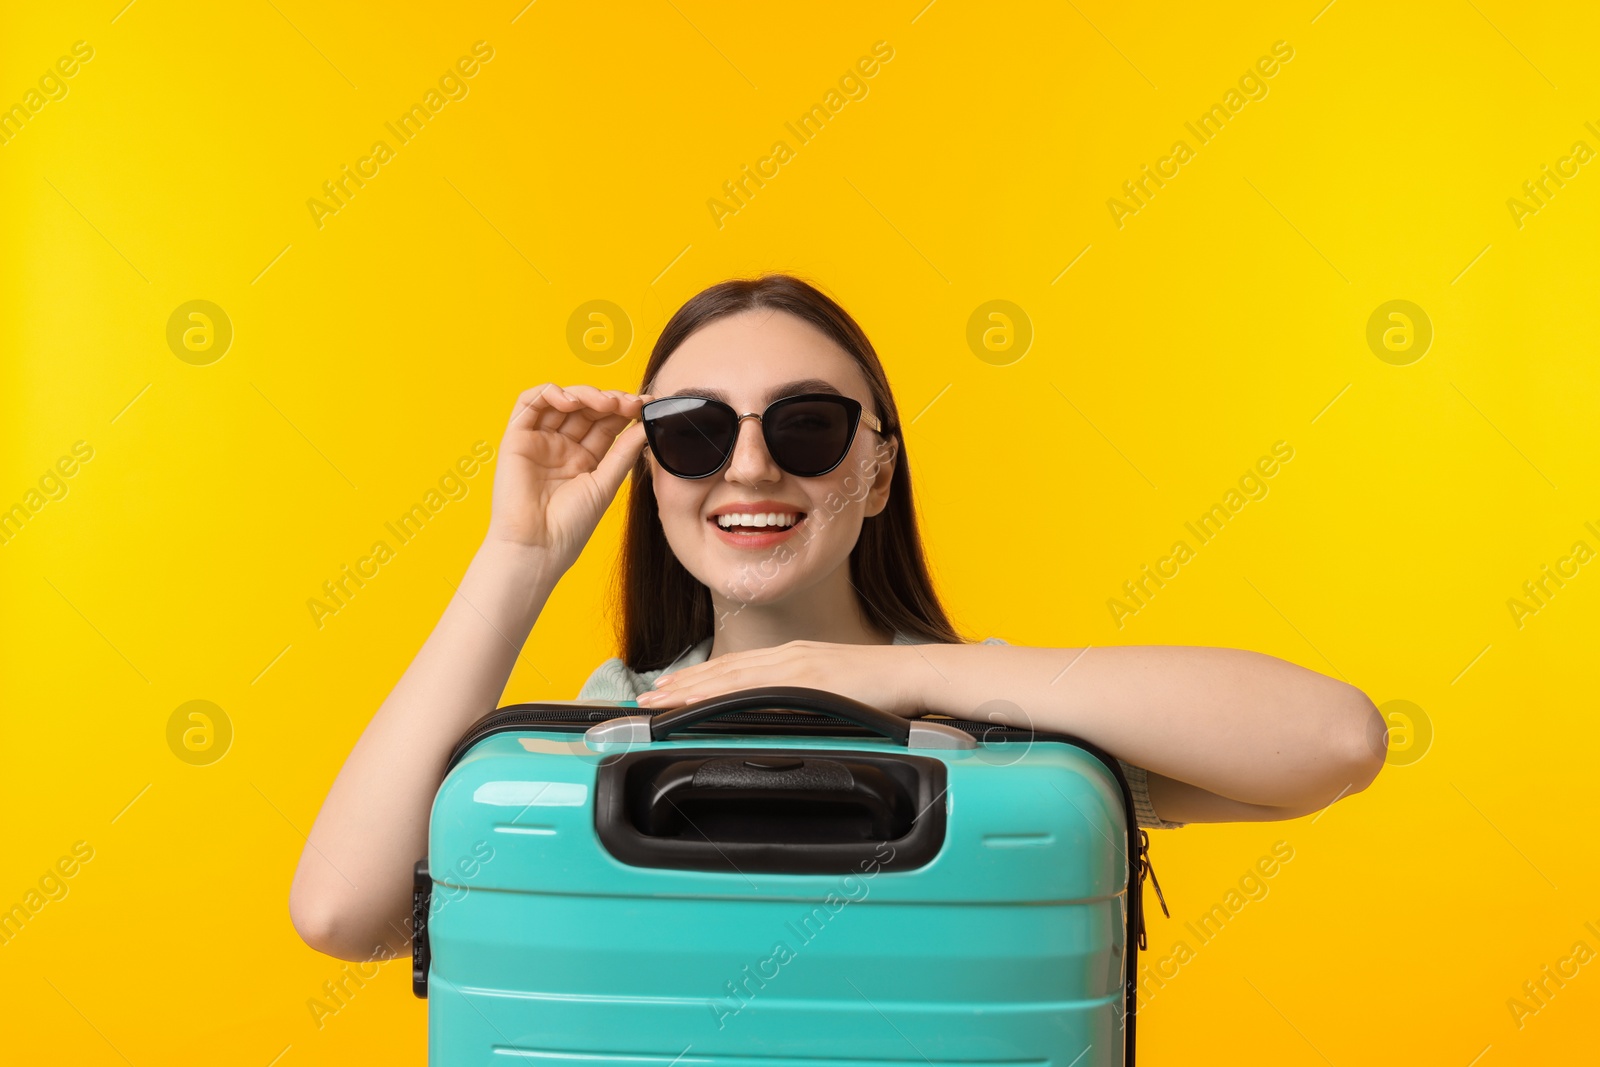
(858, 415)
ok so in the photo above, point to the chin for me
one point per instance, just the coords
(751, 577)
(753, 585)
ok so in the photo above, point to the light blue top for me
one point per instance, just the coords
(612, 680)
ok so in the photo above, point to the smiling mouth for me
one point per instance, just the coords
(771, 522)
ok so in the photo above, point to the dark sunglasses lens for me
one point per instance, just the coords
(690, 436)
(809, 437)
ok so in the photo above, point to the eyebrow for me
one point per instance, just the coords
(802, 385)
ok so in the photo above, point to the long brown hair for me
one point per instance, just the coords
(665, 610)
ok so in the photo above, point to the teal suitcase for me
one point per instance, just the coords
(778, 877)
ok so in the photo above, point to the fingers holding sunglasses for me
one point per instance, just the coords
(530, 402)
(608, 427)
(620, 455)
(630, 409)
(627, 405)
(608, 413)
(573, 410)
(588, 416)
(546, 407)
(565, 453)
(630, 404)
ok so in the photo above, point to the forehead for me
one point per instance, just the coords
(755, 357)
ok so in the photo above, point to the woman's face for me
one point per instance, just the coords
(749, 360)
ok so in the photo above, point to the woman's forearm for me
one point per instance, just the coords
(1238, 723)
(351, 895)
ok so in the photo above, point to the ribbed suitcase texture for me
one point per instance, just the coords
(775, 886)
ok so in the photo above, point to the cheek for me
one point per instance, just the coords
(676, 505)
(838, 514)
(679, 504)
(853, 477)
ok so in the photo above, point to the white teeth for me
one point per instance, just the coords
(771, 518)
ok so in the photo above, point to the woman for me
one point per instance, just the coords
(771, 539)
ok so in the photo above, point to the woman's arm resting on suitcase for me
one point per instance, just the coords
(1272, 739)
(1178, 801)
(1227, 734)
(351, 896)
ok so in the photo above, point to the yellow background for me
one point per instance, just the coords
(1228, 314)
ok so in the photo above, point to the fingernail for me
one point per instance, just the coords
(662, 680)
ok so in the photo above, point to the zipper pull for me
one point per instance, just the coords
(1147, 869)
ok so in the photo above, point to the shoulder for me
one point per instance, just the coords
(612, 680)
(903, 638)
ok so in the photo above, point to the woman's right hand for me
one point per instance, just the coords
(562, 460)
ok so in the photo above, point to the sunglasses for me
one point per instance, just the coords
(807, 435)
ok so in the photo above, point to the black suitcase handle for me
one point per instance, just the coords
(789, 698)
(913, 733)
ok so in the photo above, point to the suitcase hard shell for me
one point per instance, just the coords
(779, 877)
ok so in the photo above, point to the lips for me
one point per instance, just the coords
(756, 507)
(751, 537)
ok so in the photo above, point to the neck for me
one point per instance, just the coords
(828, 611)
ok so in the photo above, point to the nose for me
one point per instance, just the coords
(751, 463)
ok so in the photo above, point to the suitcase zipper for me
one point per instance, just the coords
(509, 718)
(1146, 868)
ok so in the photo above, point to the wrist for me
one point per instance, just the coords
(509, 559)
(511, 582)
(925, 681)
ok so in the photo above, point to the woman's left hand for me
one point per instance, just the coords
(884, 676)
